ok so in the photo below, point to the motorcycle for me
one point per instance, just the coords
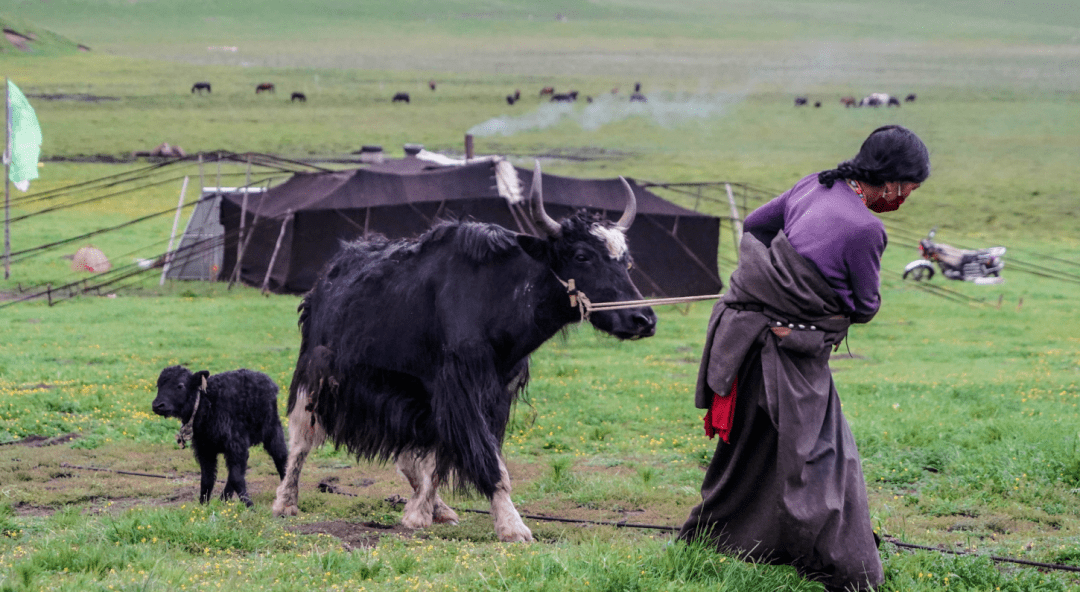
(980, 266)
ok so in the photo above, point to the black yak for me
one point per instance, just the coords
(227, 414)
(800, 101)
(299, 96)
(400, 97)
(415, 349)
(200, 86)
(264, 87)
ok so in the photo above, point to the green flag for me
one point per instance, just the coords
(24, 139)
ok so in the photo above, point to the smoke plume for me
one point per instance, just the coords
(667, 110)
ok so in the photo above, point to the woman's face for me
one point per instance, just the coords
(899, 190)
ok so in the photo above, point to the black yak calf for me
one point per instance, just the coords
(226, 413)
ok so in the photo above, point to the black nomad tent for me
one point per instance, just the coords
(294, 228)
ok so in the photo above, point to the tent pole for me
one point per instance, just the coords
(202, 179)
(277, 246)
(7, 180)
(243, 249)
(218, 185)
(736, 222)
(172, 236)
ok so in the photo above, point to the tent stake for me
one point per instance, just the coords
(277, 246)
(172, 237)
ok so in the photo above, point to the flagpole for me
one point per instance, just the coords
(7, 180)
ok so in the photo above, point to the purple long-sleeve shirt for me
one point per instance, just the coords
(834, 230)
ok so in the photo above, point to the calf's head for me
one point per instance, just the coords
(177, 387)
(594, 253)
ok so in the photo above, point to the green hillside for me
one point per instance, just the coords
(24, 38)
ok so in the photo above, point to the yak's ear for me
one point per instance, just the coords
(197, 379)
(537, 248)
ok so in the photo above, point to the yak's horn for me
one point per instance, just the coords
(631, 208)
(545, 224)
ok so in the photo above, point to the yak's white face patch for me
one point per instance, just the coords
(613, 238)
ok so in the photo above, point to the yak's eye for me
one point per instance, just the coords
(581, 257)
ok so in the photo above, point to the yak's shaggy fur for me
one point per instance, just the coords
(237, 411)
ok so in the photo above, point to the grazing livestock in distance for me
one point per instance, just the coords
(817, 104)
(517, 94)
(547, 90)
(400, 97)
(200, 86)
(893, 102)
(849, 102)
(638, 98)
(910, 98)
(875, 100)
(510, 100)
(415, 349)
(431, 85)
(637, 87)
(264, 87)
(299, 96)
(225, 414)
(800, 101)
(569, 97)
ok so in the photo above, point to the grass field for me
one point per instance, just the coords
(966, 414)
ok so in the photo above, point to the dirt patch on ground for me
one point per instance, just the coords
(38, 441)
(351, 534)
(20, 41)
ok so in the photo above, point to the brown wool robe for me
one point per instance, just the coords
(789, 486)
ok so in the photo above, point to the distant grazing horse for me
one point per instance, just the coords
(910, 98)
(547, 90)
(800, 101)
(401, 96)
(298, 96)
(201, 86)
(849, 102)
(265, 86)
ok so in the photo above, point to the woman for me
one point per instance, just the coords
(785, 484)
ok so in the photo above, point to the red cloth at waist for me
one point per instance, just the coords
(719, 417)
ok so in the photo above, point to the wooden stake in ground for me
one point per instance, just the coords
(736, 222)
(277, 246)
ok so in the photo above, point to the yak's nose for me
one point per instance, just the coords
(161, 408)
(645, 322)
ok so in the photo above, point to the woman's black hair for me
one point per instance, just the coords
(889, 153)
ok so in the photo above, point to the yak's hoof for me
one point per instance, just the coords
(281, 510)
(517, 536)
(415, 520)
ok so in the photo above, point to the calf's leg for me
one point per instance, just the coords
(208, 469)
(424, 506)
(236, 463)
(508, 525)
(303, 436)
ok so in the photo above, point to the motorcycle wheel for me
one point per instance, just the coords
(919, 273)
